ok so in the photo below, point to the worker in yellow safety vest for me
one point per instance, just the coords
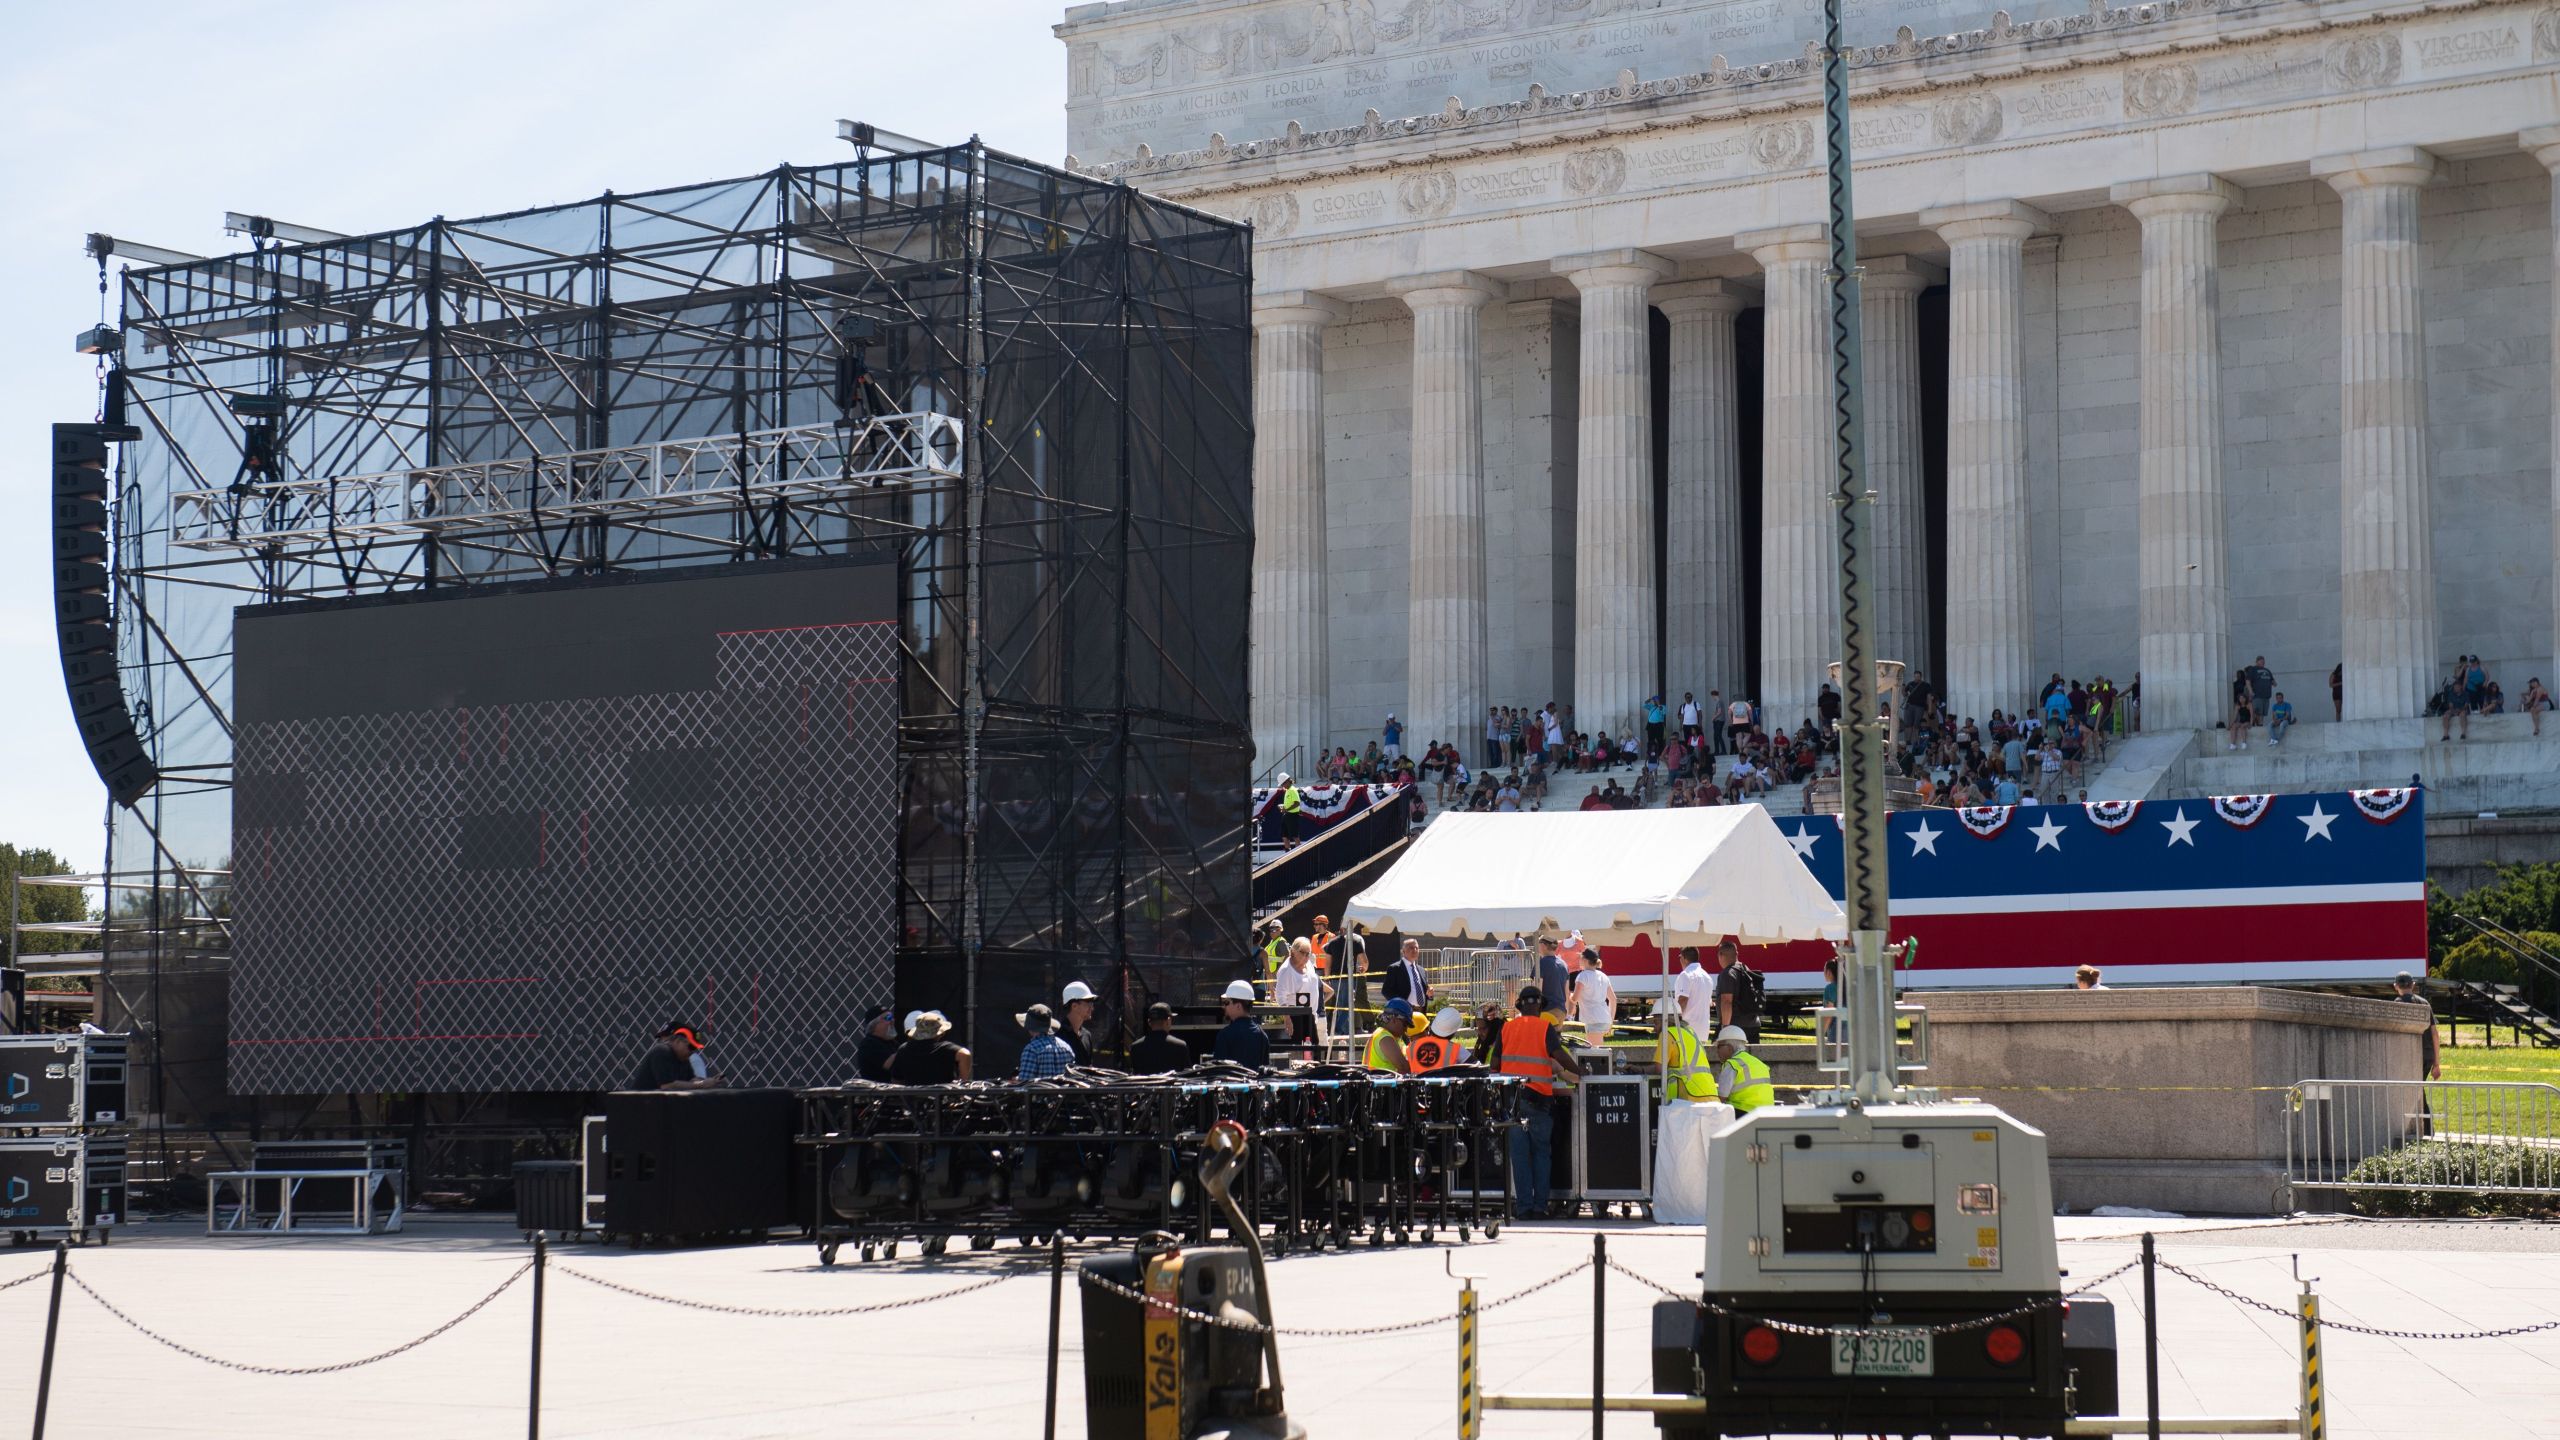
(1744, 1079)
(1688, 1063)
(1386, 1043)
(1275, 948)
(1531, 1048)
(1291, 804)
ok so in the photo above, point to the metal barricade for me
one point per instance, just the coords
(1469, 978)
(2458, 1136)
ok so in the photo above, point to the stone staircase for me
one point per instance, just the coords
(2502, 767)
(1565, 792)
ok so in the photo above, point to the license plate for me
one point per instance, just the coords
(1882, 1352)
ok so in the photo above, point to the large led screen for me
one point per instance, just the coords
(494, 841)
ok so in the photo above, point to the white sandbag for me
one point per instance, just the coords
(1680, 1159)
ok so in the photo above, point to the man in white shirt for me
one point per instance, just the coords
(1689, 730)
(1595, 1000)
(1694, 990)
(1746, 778)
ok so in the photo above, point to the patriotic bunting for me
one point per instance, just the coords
(2242, 810)
(2381, 806)
(1984, 821)
(2111, 815)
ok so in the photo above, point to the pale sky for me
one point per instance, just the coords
(151, 119)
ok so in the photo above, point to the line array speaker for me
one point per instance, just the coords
(83, 620)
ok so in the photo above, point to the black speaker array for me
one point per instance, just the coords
(84, 621)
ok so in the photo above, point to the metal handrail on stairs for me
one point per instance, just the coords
(1287, 764)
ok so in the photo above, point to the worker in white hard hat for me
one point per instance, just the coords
(1742, 1078)
(1688, 1060)
(1077, 1001)
(1242, 1041)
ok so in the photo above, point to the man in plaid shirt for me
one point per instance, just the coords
(1046, 1057)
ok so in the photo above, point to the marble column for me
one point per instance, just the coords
(1702, 524)
(1614, 594)
(2543, 142)
(1989, 631)
(1799, 542)
(2184, 590)
(1889, 289)
(1446, 687)
(2386, 581)
(1291, 693)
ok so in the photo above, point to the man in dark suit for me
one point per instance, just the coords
(1403, 978)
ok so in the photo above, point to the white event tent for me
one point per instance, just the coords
(1682, 877)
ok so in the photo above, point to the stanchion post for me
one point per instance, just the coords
(2315, 1421)
(52, 1325)
(1057, 1293)
(1599, 1331)
(1470, 1400)
(533, 1401)
(2151, 1334)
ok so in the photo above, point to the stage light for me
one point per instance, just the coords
(100, 340)
(247, 406)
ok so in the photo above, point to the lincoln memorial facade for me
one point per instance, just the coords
(2195, 330)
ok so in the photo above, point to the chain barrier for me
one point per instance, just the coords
(1256, 1327)
(779, 1312)
(247, 1369)
(2285, 1313)
(23, 1279)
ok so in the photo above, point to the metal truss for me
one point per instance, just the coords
(807, 465)
(1031, 388)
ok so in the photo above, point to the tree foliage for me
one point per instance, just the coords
(45, 903)
(2524, 899)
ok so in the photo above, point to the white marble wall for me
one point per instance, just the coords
(2488, 270)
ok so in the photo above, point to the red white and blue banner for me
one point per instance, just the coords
(1320, 807)
(2330, 886)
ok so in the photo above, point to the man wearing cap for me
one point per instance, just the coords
(1078, 998)
(1386, 1043)
(669, 1064)
(1743, 1078)
(930, 1056)
(1242, 1041)
(879, 1042)
(2405, 990)
(1159, 1051)
(1046, 1057)
(1530, 1048)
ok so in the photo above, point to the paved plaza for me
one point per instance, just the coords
(972, 1364)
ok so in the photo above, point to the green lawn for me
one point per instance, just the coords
(2470, 1060)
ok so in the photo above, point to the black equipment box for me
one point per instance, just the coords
(1214, 1369)
(61, 1185)
(700, 1163)
(62, 1082)
(548, 1196)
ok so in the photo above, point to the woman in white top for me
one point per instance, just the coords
(1595, 1000)
(1300, 992)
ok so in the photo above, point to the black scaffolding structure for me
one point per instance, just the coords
(1030, 387)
